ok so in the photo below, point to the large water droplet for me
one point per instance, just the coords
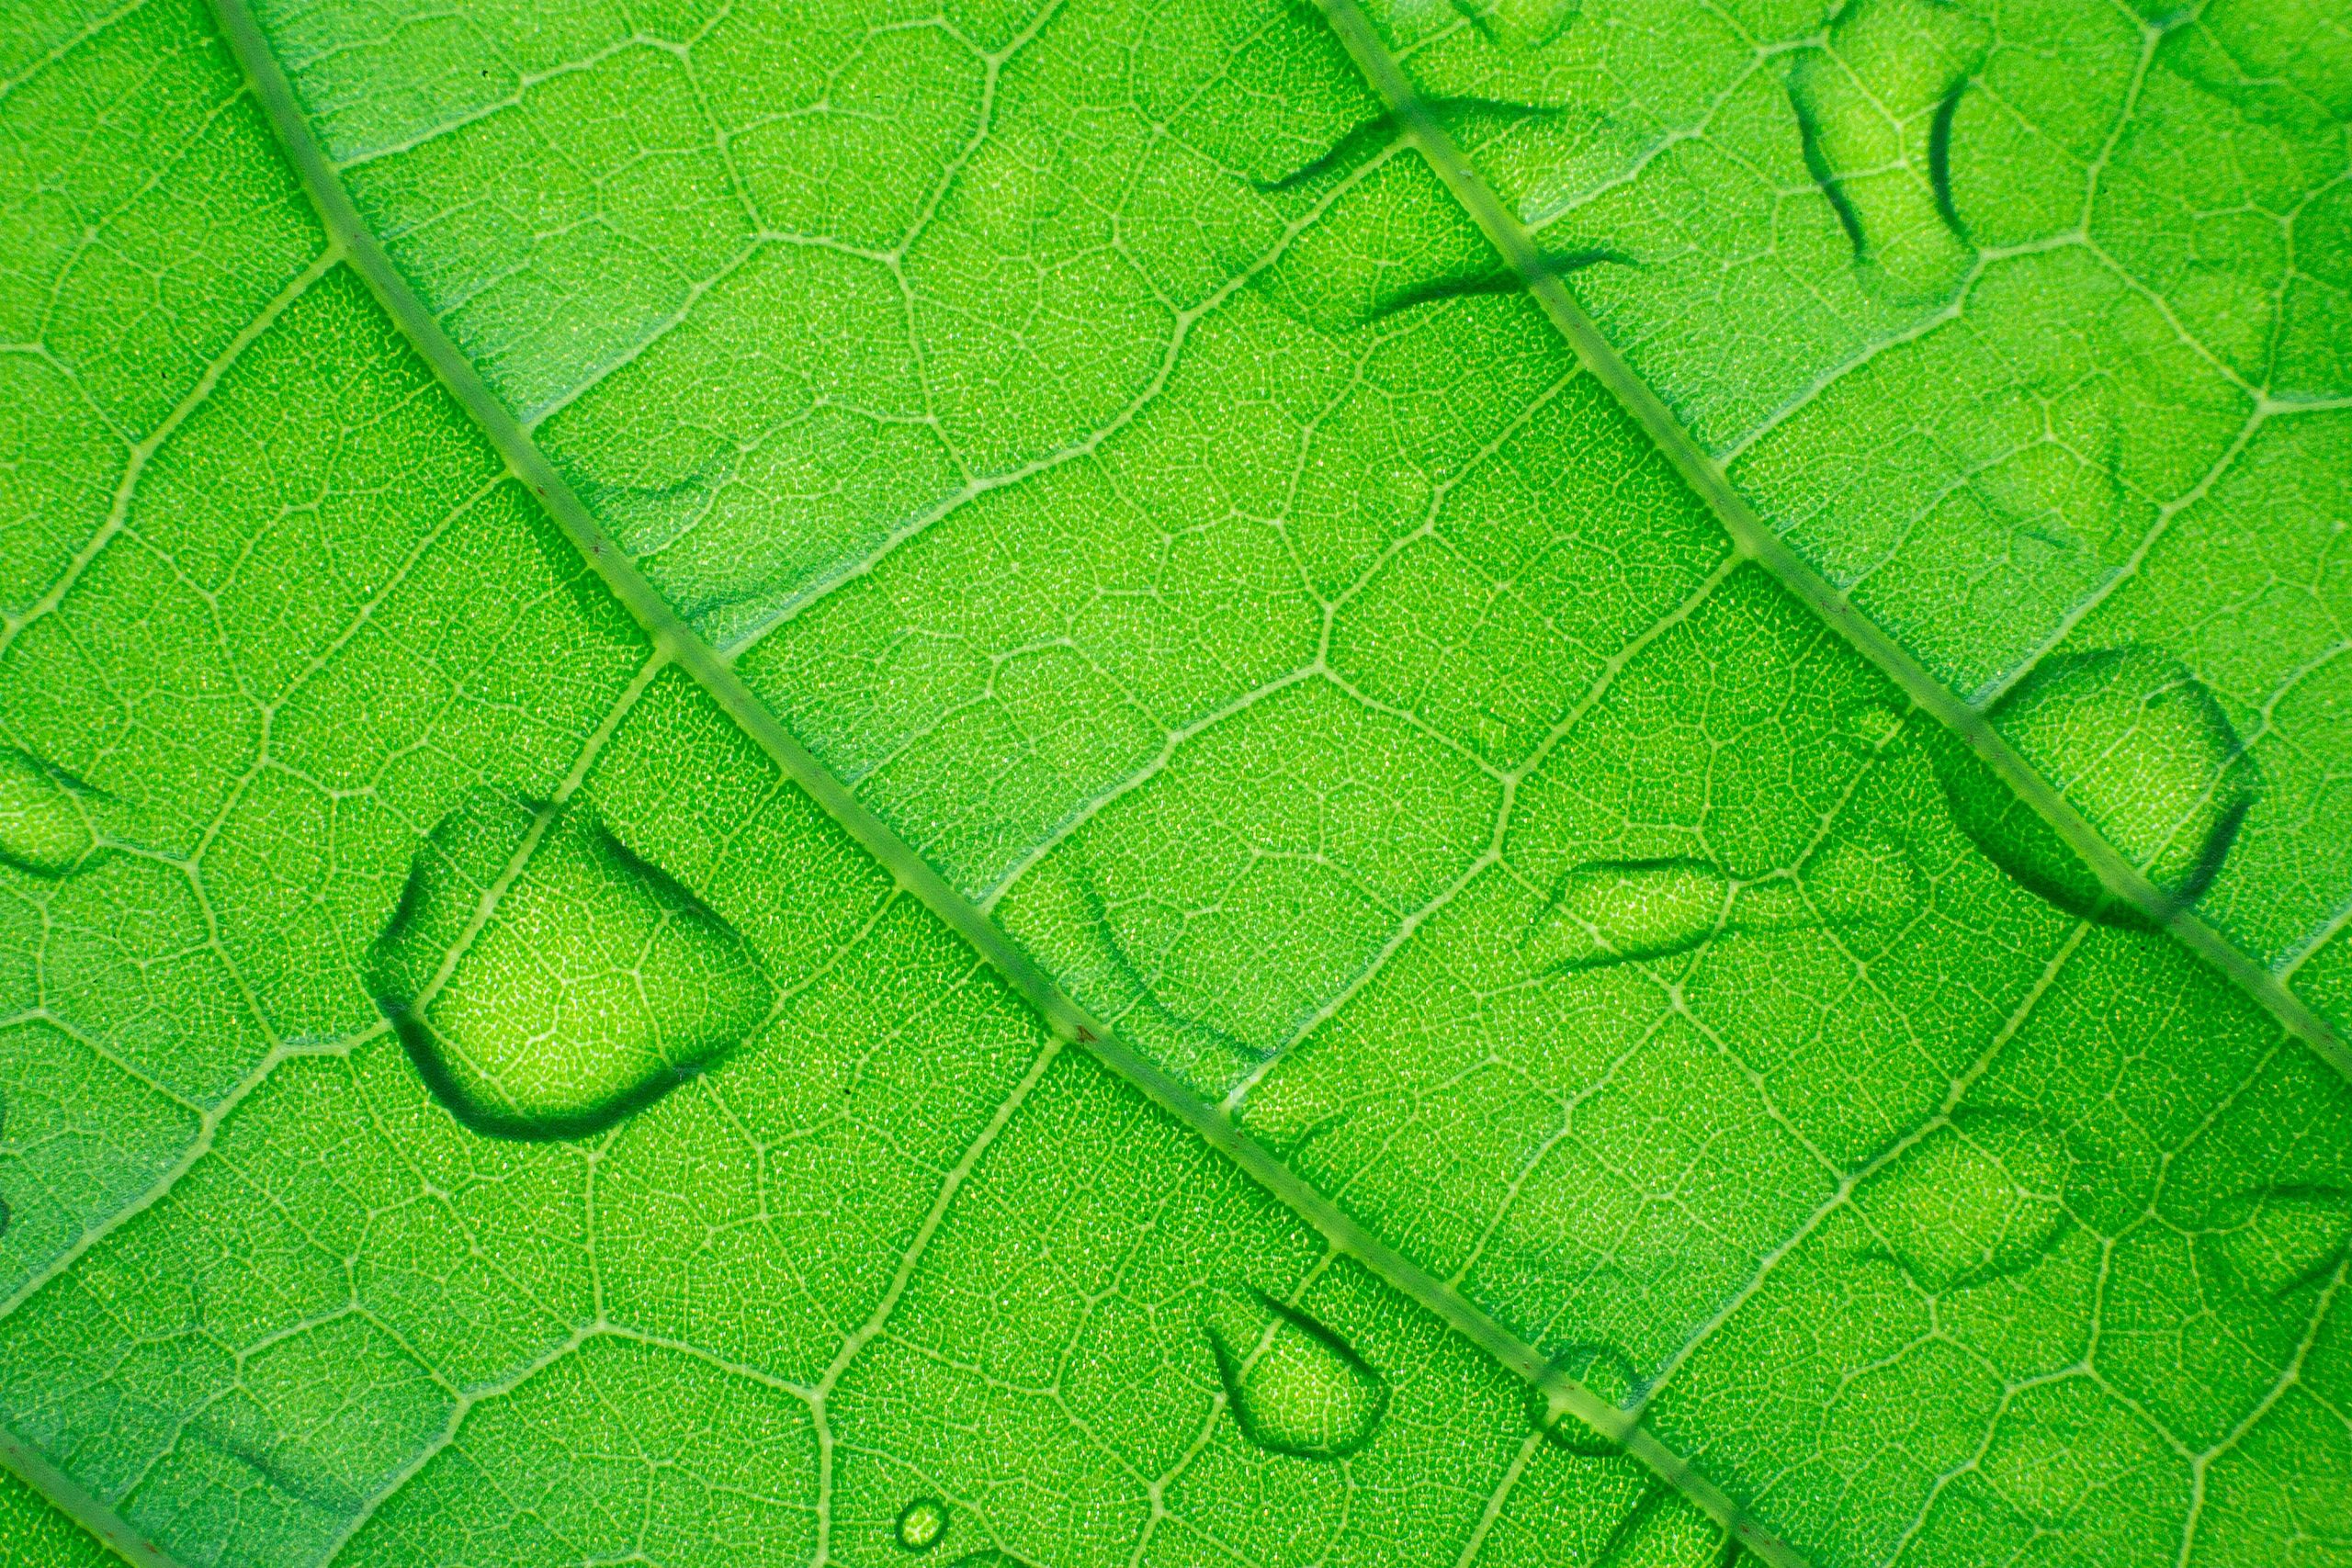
(548, 981)
(1619, 910)
(922, 1524)
(1294, 1386)
(2136, 745)
(1976, 1199)
(2280, 1240)
(42, 829)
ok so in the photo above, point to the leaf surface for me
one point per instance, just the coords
(481, 1090)
(2027, 331)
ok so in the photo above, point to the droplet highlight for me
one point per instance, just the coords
(2135, 744)
(548, 981)
(1976, 1199)
(922, 1524)
(1293, 1384)
(1619, 911)
(42, 829)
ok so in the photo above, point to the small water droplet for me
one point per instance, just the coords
(1665, 1529)
(2280, 1240)
(42, 829)
(1293, 1385)
(922, 1524)
(1865, 878)
(1869, 728)
(5, 1217)
(1976, 1199)
(1619, 910)
(548, 981)
(1609, 1376)
(2136, 745)
(988, 1557)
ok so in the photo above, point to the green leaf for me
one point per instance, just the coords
(36, 1534)
(2025, 336)
(864, 784)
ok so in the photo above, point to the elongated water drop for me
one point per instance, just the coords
(1618, 910)
(1976, 1199)
(1875, 111)
(548, 981)
(42, 829)
(922, 1524)
(2138, 746)
(1293, 1385)
(2285, 1238)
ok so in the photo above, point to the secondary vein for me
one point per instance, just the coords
(677, 642)
(1759, 542)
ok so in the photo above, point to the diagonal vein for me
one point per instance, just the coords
(1757, 541)
(676, 642)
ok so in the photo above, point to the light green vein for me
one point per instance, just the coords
(1759, 542)
(72, 1499)
(676, 641)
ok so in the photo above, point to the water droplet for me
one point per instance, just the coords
(2143, 749)
(1294, 1386)
(2136, 745)
(1976, 1199)
(1665, 1529)
(547, 981)
(1856, 879)
(1609, 1376)
(42, 829)
(5, 1217)
(1869, 728)
(1615, 911)
(922, 1524)
(2280, 1240)
(988, 1557)
(1861, 879)
(1874, 113)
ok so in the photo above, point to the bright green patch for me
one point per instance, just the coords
(479, 1090)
